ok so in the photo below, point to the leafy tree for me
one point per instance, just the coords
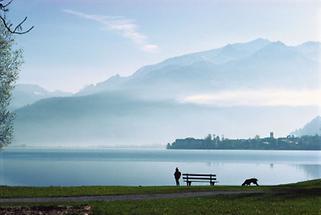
(208, 137)
(10, 61)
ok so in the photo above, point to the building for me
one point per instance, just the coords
(271, 135)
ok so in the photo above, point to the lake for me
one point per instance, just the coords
(71, 167)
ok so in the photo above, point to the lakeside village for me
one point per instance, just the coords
(267, 143)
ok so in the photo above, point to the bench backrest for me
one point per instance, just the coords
(187, 176)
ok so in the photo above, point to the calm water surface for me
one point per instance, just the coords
(44, 167)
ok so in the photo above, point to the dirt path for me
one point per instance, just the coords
(124, 197)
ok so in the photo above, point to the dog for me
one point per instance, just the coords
(248, 182)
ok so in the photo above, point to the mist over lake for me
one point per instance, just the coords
(72, 167)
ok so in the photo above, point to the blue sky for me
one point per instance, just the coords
(80, 42)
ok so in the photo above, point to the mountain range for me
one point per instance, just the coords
(145, 108)
(256, 64)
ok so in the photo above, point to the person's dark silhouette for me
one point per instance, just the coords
(177, 176)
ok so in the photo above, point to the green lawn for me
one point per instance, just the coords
(302, 198)
(11, 192)
(221, 205)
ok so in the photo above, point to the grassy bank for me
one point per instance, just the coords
(290, 204)
(12, 192)
(290, 199)
(302, 198)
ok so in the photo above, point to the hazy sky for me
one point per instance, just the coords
(79, 42)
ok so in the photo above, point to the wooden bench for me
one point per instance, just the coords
(189, 178)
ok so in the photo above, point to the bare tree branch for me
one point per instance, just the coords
(3, 7)
(18, 28)
(6, 5)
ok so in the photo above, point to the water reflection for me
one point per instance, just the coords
(311, 170)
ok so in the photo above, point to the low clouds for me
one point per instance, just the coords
(258, 98)
(127, 28)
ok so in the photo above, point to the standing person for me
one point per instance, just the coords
(177, 176)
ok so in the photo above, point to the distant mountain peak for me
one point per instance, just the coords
(117, 76)
(278, 44)
(26, 94)
(311, 128)
(316, 120)
(311, 43)
(259, 41)
(311, 49)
